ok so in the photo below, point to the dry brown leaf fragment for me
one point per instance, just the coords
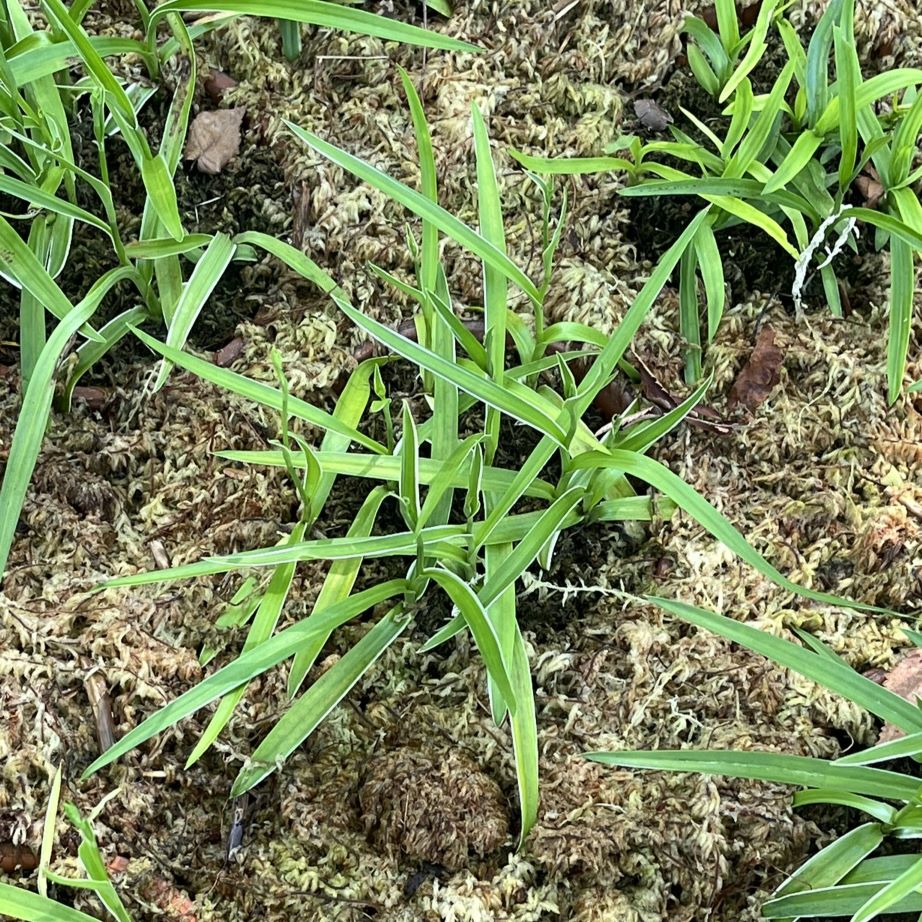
(94, 397)
(747, 15)
(98, 693)
(760, 373)
(905, 680)
(158, 552)
(17, 858)
(118, 864)
(702, 417)
(214, 139)
(170, 900)
(870, 187)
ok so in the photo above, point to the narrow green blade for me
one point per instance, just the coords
(245, 667)
(317, 12)
(30, 428)
(307, 712)
(420, 205)
(770, 766)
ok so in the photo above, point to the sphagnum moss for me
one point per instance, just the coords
(605, 683)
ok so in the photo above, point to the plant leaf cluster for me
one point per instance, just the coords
(786, 163)
(171, 273)
(19, 903)
(475, 513)
(843, 879)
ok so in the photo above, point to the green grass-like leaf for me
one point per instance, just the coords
(206, 275)
(695, 505)
(420, 205)
(689, 322)
(710, 265)
(246, 667)
(902, 293)
(770, 766)
(831, 673)
(570, 166)
(30, 427)
(303, 717)
(18, 903)
(755, 51)
(844, 900)
(833, 863)
(317, 12)
(260, 393)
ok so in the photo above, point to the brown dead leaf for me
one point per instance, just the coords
(905, 680)
(214, 139)
(870, 187)
(702, 417)
(17, 858)
(747, 15)
(760, 374)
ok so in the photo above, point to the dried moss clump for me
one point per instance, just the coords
(432, 806)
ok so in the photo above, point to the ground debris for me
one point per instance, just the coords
(870, 187)
(217, 83)
(760, 373)
(94, 397)
(227, 355)
(98, 694)
(905, 680)
(214, 139)
(170, 900)
(701, 417)
(651, 115)
(17, 858)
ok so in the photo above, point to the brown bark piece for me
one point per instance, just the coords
(229, 354)
(217, 83)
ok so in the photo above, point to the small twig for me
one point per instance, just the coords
(96, 690)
